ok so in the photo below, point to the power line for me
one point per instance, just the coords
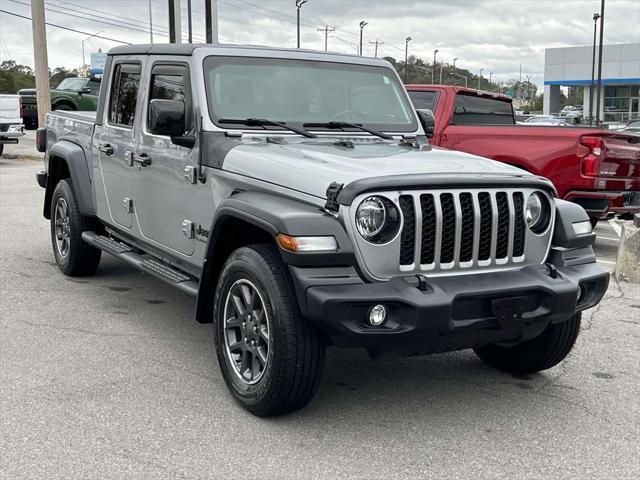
(66, 28)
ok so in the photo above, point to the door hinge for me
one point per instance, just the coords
(187, 228)
(191, 174)
(127, 204)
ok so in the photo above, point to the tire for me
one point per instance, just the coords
(1, 148)
(294, 357)
(594, 222)
(73, 256)
(540, 353)
(64, 107)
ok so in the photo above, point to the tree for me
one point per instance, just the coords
(14, 76)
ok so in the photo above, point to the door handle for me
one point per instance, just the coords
(143, 159)
(106, 149)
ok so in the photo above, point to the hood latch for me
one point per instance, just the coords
(332, 196)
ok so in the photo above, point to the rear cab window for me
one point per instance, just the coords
(472, 109)
(124, 95)
(425, 100)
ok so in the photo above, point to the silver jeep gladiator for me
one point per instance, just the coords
(295, 195)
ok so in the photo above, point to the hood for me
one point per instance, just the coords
(310, 166)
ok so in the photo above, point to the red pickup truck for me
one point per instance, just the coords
(596, 168)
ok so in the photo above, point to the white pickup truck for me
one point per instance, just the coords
(11, 126)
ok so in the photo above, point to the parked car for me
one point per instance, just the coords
(73, 93)
(632, 127)
(596, 168)
(572, 112)
(547, 120)
(293, 194)
(11, 127)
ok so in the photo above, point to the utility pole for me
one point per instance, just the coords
(433, 70)
(490, 77)
(598, 92)
(41, 62)
(326, 29)
(454, 63)
(406, 58)
(175, 22)
(189, 21)
(596, 16)
(211, 20)
(299, 4)
(150, 23)
(376, 43)
(441, 67)
(362, 25)
(480, 78)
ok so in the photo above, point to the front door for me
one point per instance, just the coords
(114, 143)
(165, 196)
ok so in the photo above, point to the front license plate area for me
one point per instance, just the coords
(508, 311)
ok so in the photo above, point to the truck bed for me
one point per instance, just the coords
(76, 127)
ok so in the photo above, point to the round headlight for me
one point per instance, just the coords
(537, 212)
(377, 219)
(370, 217)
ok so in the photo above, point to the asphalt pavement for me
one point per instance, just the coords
(110, 377)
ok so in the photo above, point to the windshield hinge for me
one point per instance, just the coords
(332, 196)
(409, 142)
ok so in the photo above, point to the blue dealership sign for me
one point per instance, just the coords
(98, 59)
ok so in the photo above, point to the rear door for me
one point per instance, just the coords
(167, 201)
(115, 143)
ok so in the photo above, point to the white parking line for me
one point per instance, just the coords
(613, 239)
(616, 227)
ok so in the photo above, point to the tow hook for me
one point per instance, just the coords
(553, 271)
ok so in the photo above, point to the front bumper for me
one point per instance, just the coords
(606, 203)
(456, 312)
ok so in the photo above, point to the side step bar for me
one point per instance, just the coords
(145, 262)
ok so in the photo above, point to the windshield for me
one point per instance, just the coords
(73, 84)
(299, 92)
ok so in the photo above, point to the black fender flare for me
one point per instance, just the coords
(75, 160)
(271, 214)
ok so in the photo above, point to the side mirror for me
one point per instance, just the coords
(427, 120)
(85, 90)
(166, 117)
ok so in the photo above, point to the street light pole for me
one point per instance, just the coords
(299, 4)
(83, 42)
(362, 25)
(454, 63)
(598, 92)
(596, 16)
(480, 78)
(433, 75)
(406, 58)
(150, 23)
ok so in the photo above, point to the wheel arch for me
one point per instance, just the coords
(68, 160)
(63, 101)
(231, 229)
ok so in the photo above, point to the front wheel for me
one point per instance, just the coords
(73, 256)
(540, 353)
(270, 357)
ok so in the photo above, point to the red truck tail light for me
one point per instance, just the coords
(591, 161)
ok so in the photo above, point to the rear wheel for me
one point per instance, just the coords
(64, 107)
(73, 256)
(270, 357)
(1, 148)
(540, 353)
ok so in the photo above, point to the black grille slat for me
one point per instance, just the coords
(519, 225)
(486, 224)
(467, 230)
(408, 235)
(502, 241)
(448, 245)
(428, 246)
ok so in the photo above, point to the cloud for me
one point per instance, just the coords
(496, 35)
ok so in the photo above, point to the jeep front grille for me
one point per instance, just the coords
(464, 229)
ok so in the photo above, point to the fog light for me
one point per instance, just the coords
(377, 315)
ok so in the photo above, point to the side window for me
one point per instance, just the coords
(422, 99)
(171, 82)
(124, 94)
(94, 86)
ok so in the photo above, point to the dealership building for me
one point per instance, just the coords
(571, 67)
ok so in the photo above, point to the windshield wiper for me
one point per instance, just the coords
(261, 122)
(343, 125)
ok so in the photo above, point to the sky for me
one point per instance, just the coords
(497, 36)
